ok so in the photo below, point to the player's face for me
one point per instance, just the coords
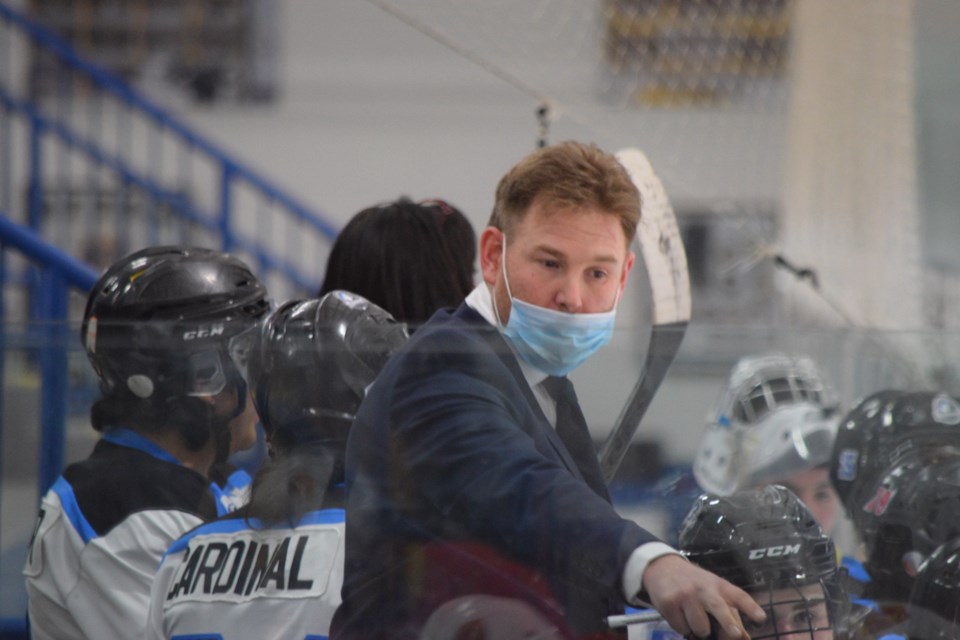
(814, 489)
(574, 261)
(794, 614)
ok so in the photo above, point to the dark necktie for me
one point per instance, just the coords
(573, 431)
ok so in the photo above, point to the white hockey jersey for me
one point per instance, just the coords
(101, 532)
(235, 579)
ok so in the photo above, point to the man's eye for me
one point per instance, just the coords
(551, 264)
(599, 274)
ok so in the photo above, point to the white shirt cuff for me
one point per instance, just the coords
(637, 564)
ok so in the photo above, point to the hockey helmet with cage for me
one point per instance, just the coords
(775, 418)
(313, 364)
(884, 427)
(934, 609)
(913, 507)
(767, 542)
(170, 321)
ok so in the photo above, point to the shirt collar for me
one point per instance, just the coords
(481, 301)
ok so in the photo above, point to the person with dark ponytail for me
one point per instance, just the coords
(168, 331)
(273, 568)
(406, 257)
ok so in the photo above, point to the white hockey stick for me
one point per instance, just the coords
(661, 249)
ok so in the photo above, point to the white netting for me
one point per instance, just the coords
(699, 85)
(790, 121)
(850, 202)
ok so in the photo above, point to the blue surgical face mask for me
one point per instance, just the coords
(554, 342)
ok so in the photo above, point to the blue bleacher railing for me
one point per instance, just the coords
(222, 215)
(59, 272)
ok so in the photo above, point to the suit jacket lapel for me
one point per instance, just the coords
(509, 359)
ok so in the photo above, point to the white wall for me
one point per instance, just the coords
(372, 108)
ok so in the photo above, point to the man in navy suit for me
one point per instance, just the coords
(471, 436)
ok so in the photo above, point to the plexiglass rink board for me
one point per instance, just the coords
(652, 486)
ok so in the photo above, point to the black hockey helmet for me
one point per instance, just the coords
(913, 507)
(767, 542)
(884, 427)
(935, 599)
(170, 321)
(313, 364)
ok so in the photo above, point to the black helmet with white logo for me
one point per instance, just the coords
(170, 322)
(883, 428)
(767, 542)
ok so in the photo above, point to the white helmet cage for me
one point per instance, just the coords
(776, 417)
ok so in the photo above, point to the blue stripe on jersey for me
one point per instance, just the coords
(68, 502)
(238, 482)
(233, 525)
(133, 440)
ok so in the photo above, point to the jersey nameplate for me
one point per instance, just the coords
(252, 564)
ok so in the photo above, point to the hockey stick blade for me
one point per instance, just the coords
(665, 260)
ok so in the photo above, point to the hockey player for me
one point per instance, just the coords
(885, 426)
(774, 423)
(274, 568)
(408, 258)
(168, 331)
(893, 462)
(767, 542)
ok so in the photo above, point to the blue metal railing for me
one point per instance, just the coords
(59, 273)
(223, 217)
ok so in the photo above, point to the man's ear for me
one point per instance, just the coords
(491, 254)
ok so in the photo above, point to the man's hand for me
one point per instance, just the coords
(685, 594)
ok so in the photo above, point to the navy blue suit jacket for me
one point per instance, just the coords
(451, 445)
